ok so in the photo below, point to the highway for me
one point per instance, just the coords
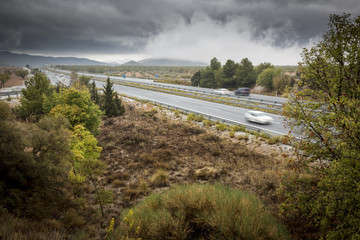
(207, 90)
(216, 110)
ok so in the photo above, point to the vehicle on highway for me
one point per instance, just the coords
(258, 117)
(222, 91)
(242, 91)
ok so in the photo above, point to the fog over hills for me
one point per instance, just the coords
(164, 62)
(14, 59)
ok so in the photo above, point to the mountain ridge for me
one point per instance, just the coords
(14, 59)
(20, 60)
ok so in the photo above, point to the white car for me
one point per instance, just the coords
(258, 117)
(222, 91)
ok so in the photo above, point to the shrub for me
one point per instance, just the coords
(159, 178)
(274, 139)
(237, 128)
(207, 123)
(202, 212)
(221, 126)
(231, 134)
(190, 117)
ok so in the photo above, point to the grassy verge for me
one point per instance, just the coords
(200, 211)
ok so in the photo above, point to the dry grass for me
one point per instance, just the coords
(14, 228)
(146, 141)
(201, 211)
(147, 152)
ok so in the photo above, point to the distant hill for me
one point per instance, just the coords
(14, 59)
(131, 63)
(164, 62)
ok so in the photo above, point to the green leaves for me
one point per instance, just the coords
(76, 106)
(85, 153)
(231, 75)
(324, 111)
(37, 89)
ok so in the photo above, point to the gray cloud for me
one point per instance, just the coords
(138, 27)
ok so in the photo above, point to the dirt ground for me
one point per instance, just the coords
(14, 79)
(149, 149)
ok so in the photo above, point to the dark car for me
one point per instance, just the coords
(242, 92)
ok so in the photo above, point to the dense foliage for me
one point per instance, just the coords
(37, 89)
(324, 111)
(34, 163)
(200, 212)
(231, 75)
(76, 105)
(4, 77)
(22, 73)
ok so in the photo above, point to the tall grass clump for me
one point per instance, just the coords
(202, 212)
(221, 126)
(193, 117)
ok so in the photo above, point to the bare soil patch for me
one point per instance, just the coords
(14, 79)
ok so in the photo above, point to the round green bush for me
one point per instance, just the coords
(200, 211)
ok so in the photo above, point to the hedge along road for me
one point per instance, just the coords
(216, 110)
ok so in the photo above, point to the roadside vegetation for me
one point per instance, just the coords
(80, 163)
(264, 78)
(324, 109)
(12, 73)
(168, 74)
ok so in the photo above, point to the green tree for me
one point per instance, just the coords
(85, 159)
(37, 89)
(94, 93)
(215, 64)
(119, 107)
(112, 104)
(77, 107)
(35, 159)
(208, 78)
(84, 80)
(195, 79)
(229, 69)
(225, 75)
(21, 73)
(245, 74)
(324, 111)
(265, 79)
(261, 67)
(4, 77)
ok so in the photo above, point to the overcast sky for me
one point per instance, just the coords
(120, 30)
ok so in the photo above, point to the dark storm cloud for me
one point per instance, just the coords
(130, 26)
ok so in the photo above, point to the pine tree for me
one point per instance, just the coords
(108, 97)
(112, 104)
(94, 93)
(120, 109)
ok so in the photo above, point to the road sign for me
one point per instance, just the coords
(124, 76)
(156, 75)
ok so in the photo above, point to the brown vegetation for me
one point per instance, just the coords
(149, 149)
(146, 152)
